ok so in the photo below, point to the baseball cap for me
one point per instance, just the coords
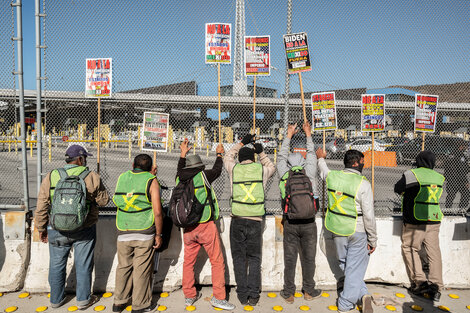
(76, 150)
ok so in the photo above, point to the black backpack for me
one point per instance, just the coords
(185, 209)
(299, 203)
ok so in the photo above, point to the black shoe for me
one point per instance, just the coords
(421, 289)
(117, 308)
(150, 308)
(253, 301)
(314, 294)
(243, 300)
(434, 293)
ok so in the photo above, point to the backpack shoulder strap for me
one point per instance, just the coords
(84, 174)
(62, 173)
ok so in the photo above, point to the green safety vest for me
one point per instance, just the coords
(201, 193)
(55, 177)
(283, 180)
(426, 203)
(134, 207)
(247, 190)
(341, 216)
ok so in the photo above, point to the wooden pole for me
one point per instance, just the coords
(99, 137)
(423, 136)
(254, 106)
(302, 97)
(323, 182)
(373, 163)
(218, 91)
(154, 158)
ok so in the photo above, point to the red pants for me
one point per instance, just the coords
(206, 235)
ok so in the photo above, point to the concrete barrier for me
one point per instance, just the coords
(14, 251)
(386, 264)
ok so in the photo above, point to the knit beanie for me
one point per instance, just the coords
(246, 153)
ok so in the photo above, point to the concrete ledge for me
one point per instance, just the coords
(386, 264)
(14, 254)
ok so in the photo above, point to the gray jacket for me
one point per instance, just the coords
(364, 204)
(287, 160)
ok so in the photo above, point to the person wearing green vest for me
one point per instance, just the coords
(248, 182)
(205, 234)
(299, 235)
(421, 189)
(351, 220)
(139, 222)
(82, 241)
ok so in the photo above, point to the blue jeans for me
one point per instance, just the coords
(353, 258)
(83, 243)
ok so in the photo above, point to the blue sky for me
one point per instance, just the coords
(352, 44)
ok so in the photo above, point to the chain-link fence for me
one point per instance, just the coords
(158, 66)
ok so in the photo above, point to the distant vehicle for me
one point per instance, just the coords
(336, 147)
(268, 143)
(441, 146)
(395, 141)
(364, 145)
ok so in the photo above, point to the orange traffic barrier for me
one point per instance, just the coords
(381, 158)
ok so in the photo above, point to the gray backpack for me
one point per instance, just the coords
(69, 208)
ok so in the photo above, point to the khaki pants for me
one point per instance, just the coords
(412, 238)
(134, 273)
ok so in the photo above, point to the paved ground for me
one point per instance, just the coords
(175, 302)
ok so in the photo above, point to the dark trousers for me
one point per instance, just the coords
(245, 243)
(299, 238)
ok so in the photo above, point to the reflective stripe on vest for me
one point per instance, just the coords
(283, 180)
(131, 198)
(247, 190)
(341, 216)
(426, 203)
(201, 193)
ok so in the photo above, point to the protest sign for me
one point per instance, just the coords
(373, 113)
(425, 113)
(323, 111)
(155, 131)
(298, 59)
(98, 77)
(218, 43)
(257, 56)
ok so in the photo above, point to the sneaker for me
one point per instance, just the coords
(189, 301)
(58, 305)
(253, 301)
(150, 308)
(93, 300)
(288, 298)
(118, 308)
(350, 311)
(367, 304)
(420, 288)
(434, 293)
(315, 294)
(222, 304)
(243, 300)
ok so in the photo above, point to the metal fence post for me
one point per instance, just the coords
(287, 87)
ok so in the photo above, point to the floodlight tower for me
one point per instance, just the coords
(239, 79)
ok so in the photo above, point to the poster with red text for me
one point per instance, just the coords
(155, 131)
(99, 78)
(218, 43)
(373, 113)
(323, 111)
(298, 59)
(425, 113)
(257, 56)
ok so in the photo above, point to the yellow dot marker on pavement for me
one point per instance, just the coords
(444, 308)
(164, 295)
(400, 295)
(73, 308)
(248, 308)
(272, 295)
(218, 309)
(390, 308)
(304, 307)
(99, 308)
(325, 294)
(453, 296)
(129, 308)
(41, 309)
(107, 294)
(415, 307)
(190, 308)
(161, 308)
(298, 295)
(332, 308)
(23, 295)
(11, 309)
(277, 308)
(1, 294)
(48, 295)
(468, 307)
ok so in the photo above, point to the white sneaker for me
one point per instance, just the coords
(222, 304)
